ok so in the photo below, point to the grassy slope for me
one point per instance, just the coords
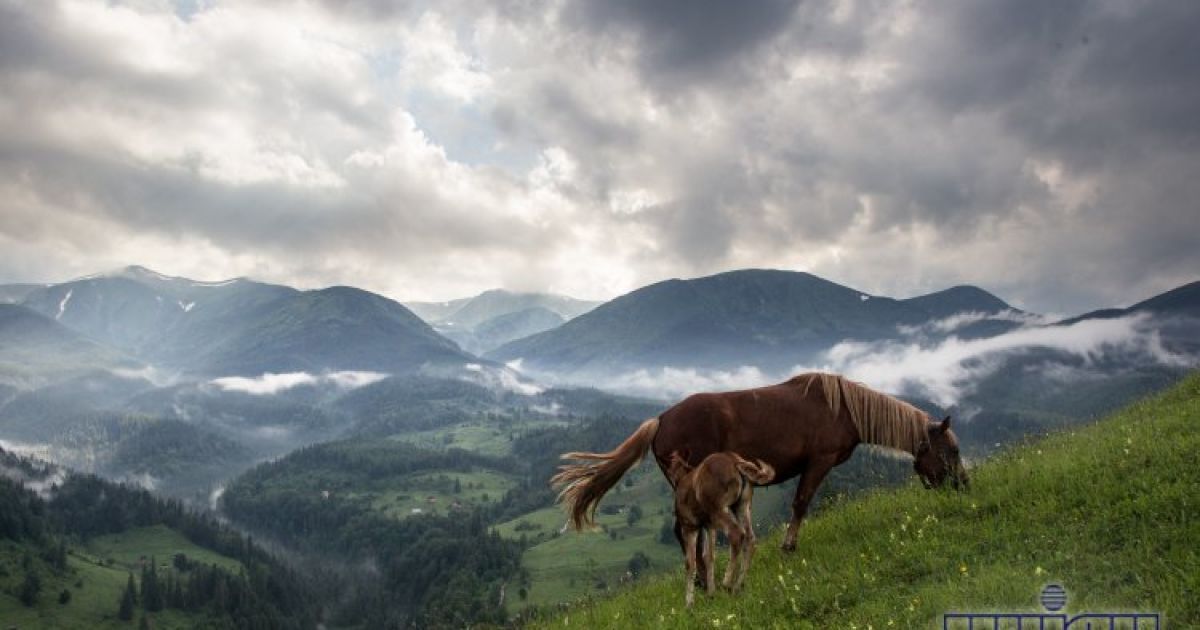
(1110, 511)
(96, 579)
(398, 498)
(481, 436)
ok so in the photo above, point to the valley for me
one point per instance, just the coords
(384, 458)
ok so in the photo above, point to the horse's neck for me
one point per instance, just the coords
(875, 438)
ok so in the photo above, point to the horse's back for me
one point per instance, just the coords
(779, 424)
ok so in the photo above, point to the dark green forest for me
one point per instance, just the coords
(265, 594)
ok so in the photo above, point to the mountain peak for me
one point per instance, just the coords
(145, 275)
(958, 299)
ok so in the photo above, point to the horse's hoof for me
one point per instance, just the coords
(788, 546)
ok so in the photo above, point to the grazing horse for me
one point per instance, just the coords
(717, 493)
(804, 426)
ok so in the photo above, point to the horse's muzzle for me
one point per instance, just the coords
(960, 481)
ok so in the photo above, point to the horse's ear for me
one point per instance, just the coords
(945, 424)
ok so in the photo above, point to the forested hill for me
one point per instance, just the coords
(80, 552)
(410, 533)
(1108, 511)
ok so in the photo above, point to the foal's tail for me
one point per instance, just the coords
(584, 484)
(756, 472)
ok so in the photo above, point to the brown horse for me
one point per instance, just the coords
(804, 426)
(717, 493)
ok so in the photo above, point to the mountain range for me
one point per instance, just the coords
(110, 371)
(242, 327)
(135, 318)
(766, 318)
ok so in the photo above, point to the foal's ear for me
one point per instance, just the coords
(945, 424)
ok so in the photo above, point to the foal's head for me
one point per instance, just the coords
(938, 459)
(677, 467)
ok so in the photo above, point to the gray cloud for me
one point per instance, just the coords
(1042, 150)
(682, 39)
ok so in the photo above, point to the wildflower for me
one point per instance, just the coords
(962, 568)
(1039, 571)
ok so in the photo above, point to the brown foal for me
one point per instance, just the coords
(716, 493)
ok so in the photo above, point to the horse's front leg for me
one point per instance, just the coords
(810, 480)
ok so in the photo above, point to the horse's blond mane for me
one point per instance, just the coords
(879, 418)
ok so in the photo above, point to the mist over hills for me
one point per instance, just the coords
(87, 366)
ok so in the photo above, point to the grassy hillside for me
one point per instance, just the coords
(95, 579)
(1109, 511)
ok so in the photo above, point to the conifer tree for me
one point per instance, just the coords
(128, 600)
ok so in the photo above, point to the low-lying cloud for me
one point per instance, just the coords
(941, 369)
(674, 382)
(270, 383)
(507, 378)
(947, 370)
(965, 318)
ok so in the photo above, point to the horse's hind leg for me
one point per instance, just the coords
(689, 546)
(814, 474)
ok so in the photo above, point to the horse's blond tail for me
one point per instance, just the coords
(583, 485)
(756, 472)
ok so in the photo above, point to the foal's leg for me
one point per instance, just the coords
(710, 561)
(733, 530)
(814, 474)
(689, 546)
(744, 516)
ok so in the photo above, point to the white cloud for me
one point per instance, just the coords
(953, 322)
(270, 383)
(437, 149)
(155, 375)
(947, 370)
(675, 382)
(507, 378)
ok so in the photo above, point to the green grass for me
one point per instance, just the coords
(426, 491)
(96, 577)
(1111, 511)
(124, 550)
(481, 436)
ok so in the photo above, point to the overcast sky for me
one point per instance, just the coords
(1046, 151)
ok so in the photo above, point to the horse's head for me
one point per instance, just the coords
(938, 459)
